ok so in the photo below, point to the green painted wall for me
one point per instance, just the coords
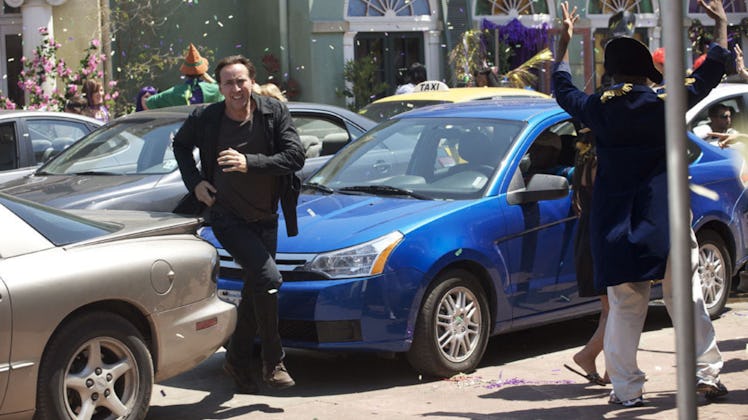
(317, 59)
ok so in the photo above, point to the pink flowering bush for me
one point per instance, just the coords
(44, 68)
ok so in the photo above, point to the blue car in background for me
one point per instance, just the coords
(436, 230)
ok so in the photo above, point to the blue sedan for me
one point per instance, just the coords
(446, 225)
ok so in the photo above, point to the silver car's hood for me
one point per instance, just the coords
(128, 192)
(139, 224)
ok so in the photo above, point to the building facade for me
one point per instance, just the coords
(305, 44)
(315, 39)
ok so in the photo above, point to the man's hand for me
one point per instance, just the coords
(569, 17)
(232, 161)
(205, 192)
(714, 9)
(739, 64)
(724, 140)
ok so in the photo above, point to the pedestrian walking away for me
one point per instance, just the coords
(249, 153)
(629, 220)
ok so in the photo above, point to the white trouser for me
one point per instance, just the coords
(628, 310)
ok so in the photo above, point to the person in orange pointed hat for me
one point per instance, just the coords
(198, 86)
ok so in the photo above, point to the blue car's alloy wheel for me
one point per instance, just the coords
(715, 269)
(452, 328)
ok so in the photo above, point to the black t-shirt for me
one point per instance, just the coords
(251, 196)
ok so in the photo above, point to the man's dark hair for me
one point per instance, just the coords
(717, 109)
(417, 73)
(235, 59)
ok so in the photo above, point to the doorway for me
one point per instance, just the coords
(394, 52)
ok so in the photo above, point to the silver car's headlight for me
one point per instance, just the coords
(360, 260)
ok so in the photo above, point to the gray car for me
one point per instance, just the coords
(29, 138)
(97, 306)
(128, 164)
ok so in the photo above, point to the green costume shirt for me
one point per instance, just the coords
(181, 93)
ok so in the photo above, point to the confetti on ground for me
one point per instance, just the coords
(519, 381)
(462, 381)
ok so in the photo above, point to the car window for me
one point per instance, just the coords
(130, 147)
(384, 110)
(58, 227)
(49, 137)
(320, 136)
(8, 147)
(431, 157)
(738, 104)
(552, 152)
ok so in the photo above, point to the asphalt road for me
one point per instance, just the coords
(521, 377)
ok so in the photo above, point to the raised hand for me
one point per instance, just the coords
(562, 52)
(569, 18)
(714, 8)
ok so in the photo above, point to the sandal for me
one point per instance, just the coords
(593, 378)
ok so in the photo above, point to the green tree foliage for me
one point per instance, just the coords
(135, 24)
(362, 74)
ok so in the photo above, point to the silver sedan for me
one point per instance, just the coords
(97, 306)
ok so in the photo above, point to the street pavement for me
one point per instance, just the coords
(521, 377)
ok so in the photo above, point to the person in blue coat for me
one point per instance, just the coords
(629, 225)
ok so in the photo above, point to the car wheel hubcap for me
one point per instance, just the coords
(101, 381)
(458, 324)
(712, 271)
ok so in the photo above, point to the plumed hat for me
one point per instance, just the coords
(194, 64)
(630, 57)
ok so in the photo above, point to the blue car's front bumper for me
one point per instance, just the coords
(370, 313)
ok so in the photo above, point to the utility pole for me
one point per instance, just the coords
(106, 39)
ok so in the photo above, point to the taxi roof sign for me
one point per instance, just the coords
(431, 85)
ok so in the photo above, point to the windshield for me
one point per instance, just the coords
(58, 227)
(422, 158)
(384, 110)
(129, 147)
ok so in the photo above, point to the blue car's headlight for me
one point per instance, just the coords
(361, 260)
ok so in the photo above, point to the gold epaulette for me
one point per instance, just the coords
(612, 93)
(688, 82)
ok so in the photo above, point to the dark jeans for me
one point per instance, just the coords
(253, 246)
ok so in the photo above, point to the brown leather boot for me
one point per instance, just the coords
(277, 376)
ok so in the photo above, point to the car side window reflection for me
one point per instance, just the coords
(8, 146)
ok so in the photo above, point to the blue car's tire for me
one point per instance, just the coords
(715, 267)
(452, 327)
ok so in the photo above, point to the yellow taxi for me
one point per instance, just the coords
(436, 92)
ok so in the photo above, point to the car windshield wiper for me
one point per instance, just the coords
(94, 173)
(318, 187)
(385, 190)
